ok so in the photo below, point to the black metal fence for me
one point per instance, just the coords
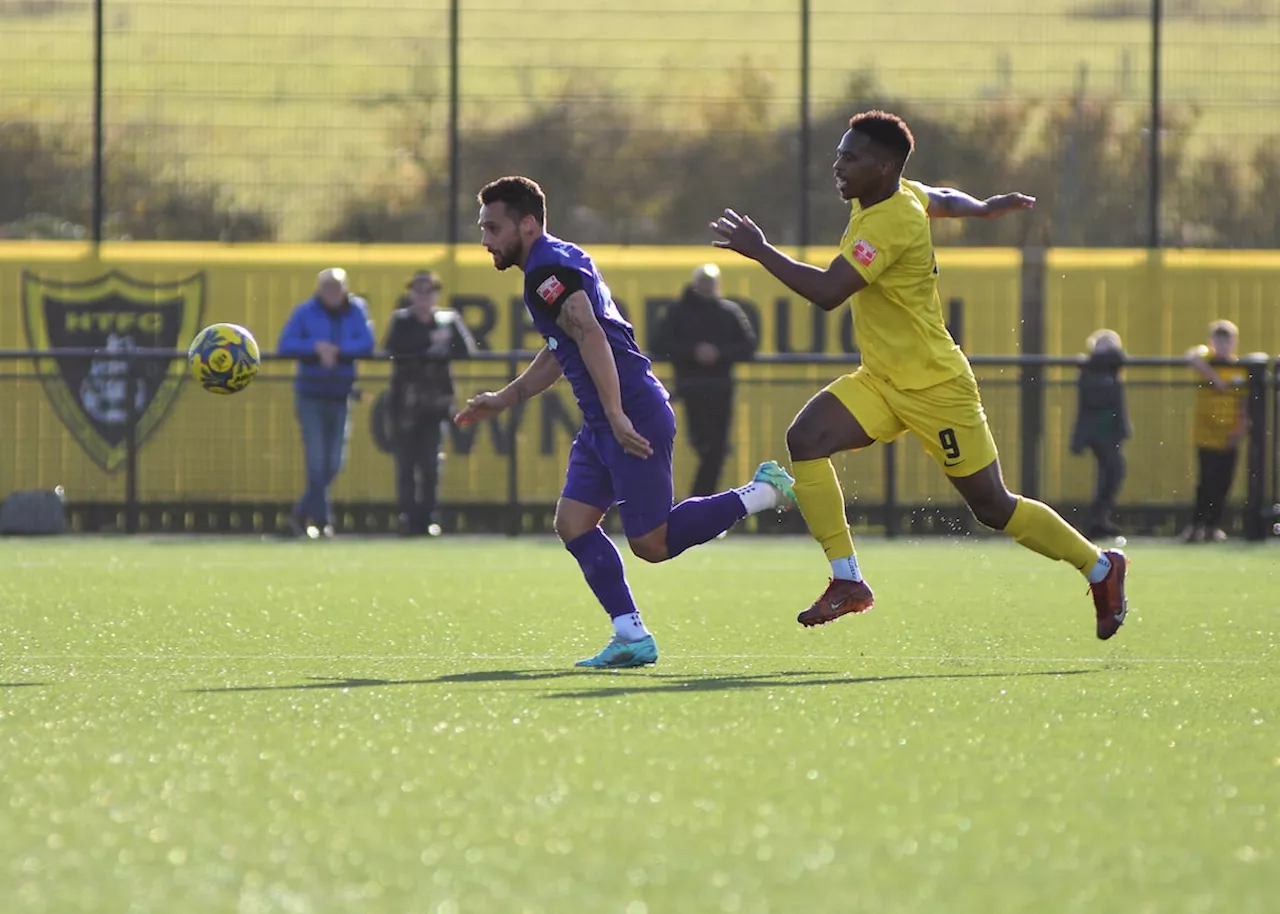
(131, 460)
(377, 120)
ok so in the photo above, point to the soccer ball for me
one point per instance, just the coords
(224, 358)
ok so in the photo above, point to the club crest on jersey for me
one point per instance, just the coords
(864, 252)
(97, 398)
(550, 290)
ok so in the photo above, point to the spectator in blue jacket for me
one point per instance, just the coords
(324, 333)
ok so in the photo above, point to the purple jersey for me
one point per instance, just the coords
(554, 271)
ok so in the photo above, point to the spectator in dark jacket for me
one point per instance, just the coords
(703, 336)
(422, 339)
(324, 333)
(1102, 425)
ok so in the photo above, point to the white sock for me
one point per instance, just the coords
(629, 628)
(1099, 572)
(846, 569)
(759, 496)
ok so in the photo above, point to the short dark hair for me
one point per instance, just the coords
(522, 197)
(431, 276)
(886, 130)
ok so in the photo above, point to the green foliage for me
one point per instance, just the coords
(1223, 203)
(32, 9)
(1173, 10)
(628, 172)
(618, 172)
(46, 191)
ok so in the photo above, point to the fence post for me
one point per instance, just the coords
(890, 490)
(1155, 178)
(455, 166)
(513, 462)
(802, 230)
(1275, 446)
(1256, 510)
(98, 153)
(131, 448)
(1031, 386)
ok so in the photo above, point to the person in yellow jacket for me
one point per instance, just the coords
(1219, 426)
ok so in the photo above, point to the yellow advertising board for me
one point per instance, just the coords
(64, 426)
(1161, 304)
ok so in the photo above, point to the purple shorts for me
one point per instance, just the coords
(601, 474)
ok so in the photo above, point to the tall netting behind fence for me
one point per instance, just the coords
(643, 121)
(1221, 78)
(1045, 98)
(282, 120)
(46, 115)
(311, 120)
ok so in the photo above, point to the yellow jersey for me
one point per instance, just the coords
(897, 318)
(1218, 412)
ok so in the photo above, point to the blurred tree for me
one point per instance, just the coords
(46, 190)
(650, 172)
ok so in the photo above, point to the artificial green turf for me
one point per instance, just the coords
(359, 726)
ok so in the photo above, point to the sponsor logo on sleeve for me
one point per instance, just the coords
(864, 252)
(551, 290)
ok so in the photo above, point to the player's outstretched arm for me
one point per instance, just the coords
(578, 319)
(828, 289)
(949, 203)
(542, 372)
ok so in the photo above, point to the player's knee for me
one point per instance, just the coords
(649, 549)
(993, 509)
(567, 530)
(804, 441)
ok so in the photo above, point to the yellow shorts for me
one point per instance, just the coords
(948, 418)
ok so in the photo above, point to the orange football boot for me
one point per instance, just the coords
(1108, 595)
(840, 598)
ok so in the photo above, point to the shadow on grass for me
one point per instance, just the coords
(21, 685)
(631, 682)
(690, 684)
(349, 682)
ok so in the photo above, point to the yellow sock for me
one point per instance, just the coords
(822, 504)
(1041, 529)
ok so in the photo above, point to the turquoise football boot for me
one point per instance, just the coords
(771, 473)
(618, 655)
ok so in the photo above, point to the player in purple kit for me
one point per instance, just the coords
(623, 453)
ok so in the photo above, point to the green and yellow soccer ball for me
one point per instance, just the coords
(224, 358)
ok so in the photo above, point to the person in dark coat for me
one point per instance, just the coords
(1102, 426)
(704, 336)
(422, 340)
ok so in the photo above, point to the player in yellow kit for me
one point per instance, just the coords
(913, 377)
